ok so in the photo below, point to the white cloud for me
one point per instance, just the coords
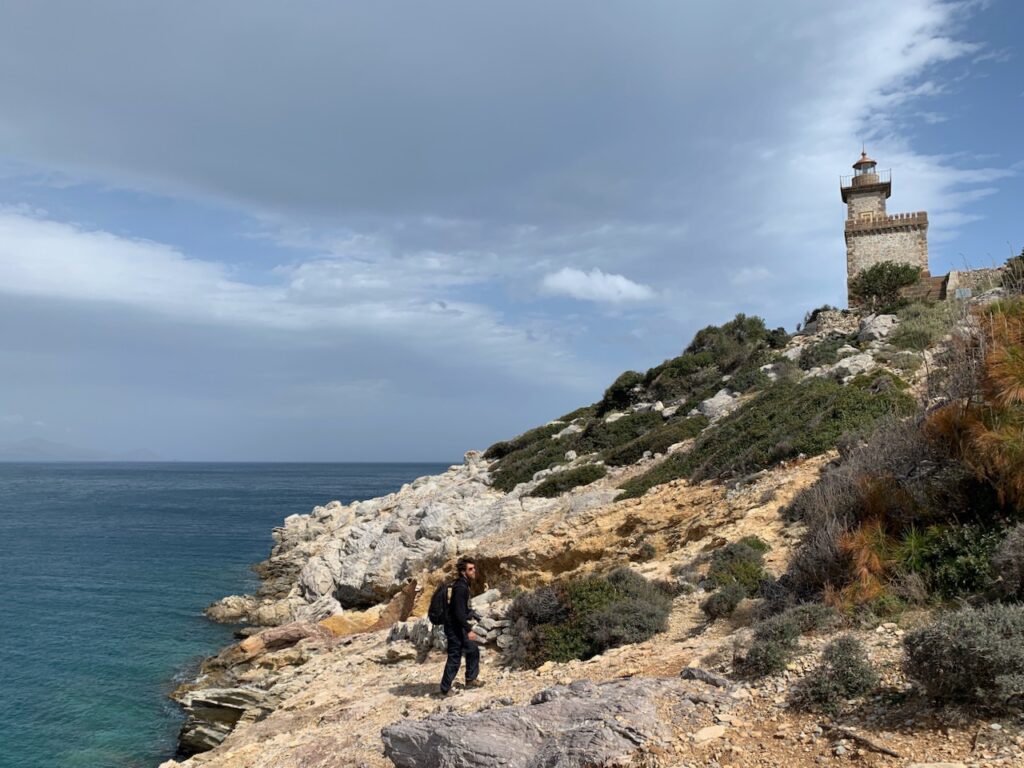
(397, 303)
(595, 286)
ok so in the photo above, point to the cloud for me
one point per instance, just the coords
(396, 188)
(595, 286)
(405, 303)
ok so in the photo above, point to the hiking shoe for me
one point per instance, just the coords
(475, 683)
(445, 694)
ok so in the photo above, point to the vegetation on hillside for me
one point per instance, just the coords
(783, 422)
(879, 287)
(921, 510)
(582, 617)
(735, 350)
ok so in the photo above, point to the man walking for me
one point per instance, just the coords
(458, 631)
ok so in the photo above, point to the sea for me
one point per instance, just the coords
(104, 573)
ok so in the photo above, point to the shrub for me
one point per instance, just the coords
(878, 287)
(621, 393)
(1013, 274)
(971, 656)
(921, 325)
(599, 435)
(732, 343)
(843, 673)
(953, 560)
(525, 440)
(583, 617)
(1008, 565)
(646, 551)
(781, 423)
(521, 465)
(723, 601)
(822, 353)
(739, 563)
(775, 638)
(657, 440)
(811, 316)
(560, 482)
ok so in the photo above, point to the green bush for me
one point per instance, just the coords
(781, 423)
(843, 673)
(583, 617)
(953, 560)
(1013, 274)
(878, 287)
(921, 325)
(776, 638)
(599, 435)
(822, 353)
(723, 601)
(742, 563)
(526, 440)
(972, 656)
(657, 440)
(620, 395)
(520, 466)
(560, 482)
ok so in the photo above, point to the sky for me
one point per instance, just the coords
(396, 231)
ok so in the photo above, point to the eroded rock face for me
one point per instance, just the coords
(359, 555)
(580, 724)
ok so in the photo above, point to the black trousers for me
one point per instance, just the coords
(459, 644)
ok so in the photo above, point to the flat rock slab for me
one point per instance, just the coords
(581, 724)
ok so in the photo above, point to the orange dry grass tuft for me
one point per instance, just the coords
(868, 551)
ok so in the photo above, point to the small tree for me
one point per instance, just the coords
(878, 287)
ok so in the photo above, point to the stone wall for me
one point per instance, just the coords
(863, 204)
(976, 281)
(901, 237)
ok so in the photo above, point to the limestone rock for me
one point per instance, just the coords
(323, 608)
(580, 724)
(277, 638)
(875, 327)
(572, 429)
(232, 609)
(721, 404)
(852, 366)
(708, 733)
(361, 554)
(211, 714)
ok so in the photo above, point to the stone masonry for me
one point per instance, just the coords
(872, 234)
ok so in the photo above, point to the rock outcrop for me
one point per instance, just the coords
(358, 555)
(575, 725)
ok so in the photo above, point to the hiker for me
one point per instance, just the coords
(458, 630)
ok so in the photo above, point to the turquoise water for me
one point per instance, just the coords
(104, 572)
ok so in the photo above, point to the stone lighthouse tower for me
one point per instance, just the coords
(872, 234)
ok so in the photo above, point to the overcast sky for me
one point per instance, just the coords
(400, 230)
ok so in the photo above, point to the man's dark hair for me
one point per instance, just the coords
(460, 566)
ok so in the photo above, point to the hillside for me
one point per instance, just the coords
(755, 553)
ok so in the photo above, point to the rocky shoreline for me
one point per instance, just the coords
(329, 666)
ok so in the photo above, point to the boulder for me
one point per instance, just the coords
(723, 402)
(875, 327)
(572, 429)
(580, 724)
(852, 366)
(232, 609)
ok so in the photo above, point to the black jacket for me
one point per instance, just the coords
(460, 615)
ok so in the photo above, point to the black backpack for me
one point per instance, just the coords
(438, 610)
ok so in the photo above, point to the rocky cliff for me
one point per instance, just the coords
(339, 664)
